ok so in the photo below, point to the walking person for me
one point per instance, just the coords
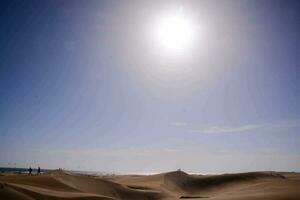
(30, 170)
(39, 170)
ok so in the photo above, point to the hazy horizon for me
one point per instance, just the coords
(112, 86)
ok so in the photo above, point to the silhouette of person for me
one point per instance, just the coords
(39, 170)
(30, 170)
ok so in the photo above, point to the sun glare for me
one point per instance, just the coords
(174, 32)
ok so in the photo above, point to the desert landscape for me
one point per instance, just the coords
(150, 100)
(60, 184)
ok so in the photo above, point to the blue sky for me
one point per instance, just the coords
(83, 85)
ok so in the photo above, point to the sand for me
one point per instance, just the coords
(171, 185)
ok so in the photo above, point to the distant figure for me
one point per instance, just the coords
(39, 170)
(30, 170)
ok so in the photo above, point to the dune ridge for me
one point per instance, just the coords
(185, 182)
(170, 185)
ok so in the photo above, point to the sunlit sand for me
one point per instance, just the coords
(171, 185)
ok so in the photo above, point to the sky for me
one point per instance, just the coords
(88, 85)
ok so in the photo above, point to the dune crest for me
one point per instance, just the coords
(170, 185)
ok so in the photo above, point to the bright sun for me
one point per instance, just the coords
(174, 32)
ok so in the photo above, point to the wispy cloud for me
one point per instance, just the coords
(216, 129)
(249, 127)
(178, 124)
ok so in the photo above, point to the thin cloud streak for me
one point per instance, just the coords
(247, 128)
(178, 124)
(216, 129)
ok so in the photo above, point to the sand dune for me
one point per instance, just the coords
(171, 185)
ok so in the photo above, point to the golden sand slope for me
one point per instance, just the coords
(171, 185)
(60, 185)
(253, 185)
